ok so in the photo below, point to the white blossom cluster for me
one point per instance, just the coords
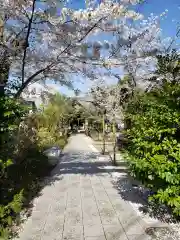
(51, 40)
(107, 98)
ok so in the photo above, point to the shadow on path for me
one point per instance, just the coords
(90, 163)
(84, 163)
(80, 162)
(131, 191)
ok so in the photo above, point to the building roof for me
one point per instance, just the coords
(36, 93)
(86, 102)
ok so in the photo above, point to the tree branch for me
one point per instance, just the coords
(95, 25)
(24, 85)
(173, 40)
(27, 40)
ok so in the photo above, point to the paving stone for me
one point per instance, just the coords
(80, 203)
(98, 186)
(36, 237)
(107, 183)
(32, 234)
(37, 217)
(89, 205)
(42, 207)
(52, 217)
(91, 212)
(52, 237)
(139, 237)
(103, 202)
(109, 220)
(93, 230)
(113, 195)
(73, 216)
(60, 198)
(53, 225)
(106, 210)
(101, 197)
(95, 238)
(74, 191)
(62, 189)
(33, 228)
(127, 217)
(58, 208)
(114, 232)
(133, 228)
(87, 194)
(72, 232)
(90, 220)
(94, 179)
(120, 208)
(108, 215)
(85, 183)
(73, 201)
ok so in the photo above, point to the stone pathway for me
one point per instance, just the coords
(80, 202)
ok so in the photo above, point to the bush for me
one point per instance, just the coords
(9, 213)
(48, 138)
(22, 139)
(154, 142)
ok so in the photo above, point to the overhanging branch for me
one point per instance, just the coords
(69, 47)
(27, 40)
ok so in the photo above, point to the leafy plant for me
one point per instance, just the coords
(154, 142)
(23, 138)
(9, 213)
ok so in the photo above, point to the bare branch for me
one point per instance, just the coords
(27, 40)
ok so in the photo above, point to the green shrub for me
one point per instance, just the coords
(154, 142)
(45, 138)
(9, 213)
(23, 138)
(20, 176)
(62, 142)
(19, 185)
(48, 138)
(11, 114)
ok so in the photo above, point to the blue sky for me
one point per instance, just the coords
(157, 7)
(152, 6)
(149, 6)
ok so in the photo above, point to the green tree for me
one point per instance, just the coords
(153, 133)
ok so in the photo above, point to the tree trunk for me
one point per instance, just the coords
(4, 70)
(103, 140)
(1, 90)
(98, 135)
(114, 143)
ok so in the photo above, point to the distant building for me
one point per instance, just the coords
(30, 104)
(86, 102)
(36, 95)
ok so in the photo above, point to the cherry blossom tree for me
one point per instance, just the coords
(107, 100)
(46, 39)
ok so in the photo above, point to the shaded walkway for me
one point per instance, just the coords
(79, 201)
